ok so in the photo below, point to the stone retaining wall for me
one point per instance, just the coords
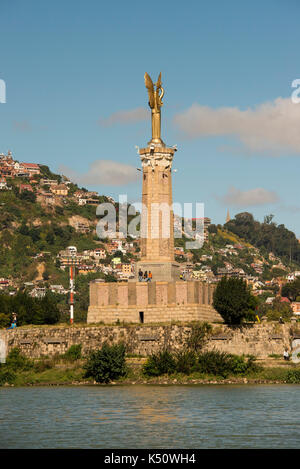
(260, 340)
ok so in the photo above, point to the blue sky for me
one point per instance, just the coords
(227, 69)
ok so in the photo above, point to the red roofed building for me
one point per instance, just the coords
(25, 187)
(31, 168)
(284, 299)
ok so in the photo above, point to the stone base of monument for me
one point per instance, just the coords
(161, 271)
(151, 302)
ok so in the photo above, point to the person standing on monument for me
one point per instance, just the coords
(150, 276)
(146, 276)
(140, 275)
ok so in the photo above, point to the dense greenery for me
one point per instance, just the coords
(224, 364)
(291, 290)
(28, 229)
(187, 361)
(73, 353)
(21, 370)
(293, 376)
(106, 364)
(29, 310)
(276, 310)
(159, 364)
(267, 235)
(234, 301)
(16, 361)
(185, 365)
(198, 336)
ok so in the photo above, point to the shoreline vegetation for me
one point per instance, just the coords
(111, 366)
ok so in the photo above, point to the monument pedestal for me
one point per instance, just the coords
(161, 271)
(151, 302)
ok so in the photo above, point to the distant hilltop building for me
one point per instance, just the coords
(11, 168)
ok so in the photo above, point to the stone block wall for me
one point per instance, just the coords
(260, 340)
(149, 302)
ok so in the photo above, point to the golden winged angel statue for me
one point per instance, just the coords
(155, 103)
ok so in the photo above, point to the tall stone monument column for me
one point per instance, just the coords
(157, 221)
(165, 299)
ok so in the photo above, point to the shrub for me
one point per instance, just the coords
(293, 376)
(241, 366)
(106, 364)
(198, 335)
(186, 361)
(224, 364)
(16, 361)
(43, 365)
(6, 376)
(159, 364)
(214, 362)
(4, 320)
(73, 353)
(234, 301)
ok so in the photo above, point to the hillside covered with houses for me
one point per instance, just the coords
(49, 224)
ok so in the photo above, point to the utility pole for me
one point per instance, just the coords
(72, 270)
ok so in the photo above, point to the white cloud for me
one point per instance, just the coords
(126, 117)
(253, 197)
(104, 172)
(272, 127)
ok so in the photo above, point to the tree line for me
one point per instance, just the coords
(29, 310)
(267, 235)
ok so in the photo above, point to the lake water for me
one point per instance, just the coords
(249, 416)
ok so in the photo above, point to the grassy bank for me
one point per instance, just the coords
(70, 370)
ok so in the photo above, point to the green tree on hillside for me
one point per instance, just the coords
(234, 301)
(291, 290)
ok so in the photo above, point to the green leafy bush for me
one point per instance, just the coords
(16, 361)
(73, 353)
(6, 376)
(186, 361)
(159, 364)
(4, 320)
(198, 335)
(214, 362)
(106, 364)
(224, 364)
(293, 376)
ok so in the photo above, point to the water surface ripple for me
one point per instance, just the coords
(132, 417)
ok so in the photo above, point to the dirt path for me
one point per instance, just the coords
(41, 270)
